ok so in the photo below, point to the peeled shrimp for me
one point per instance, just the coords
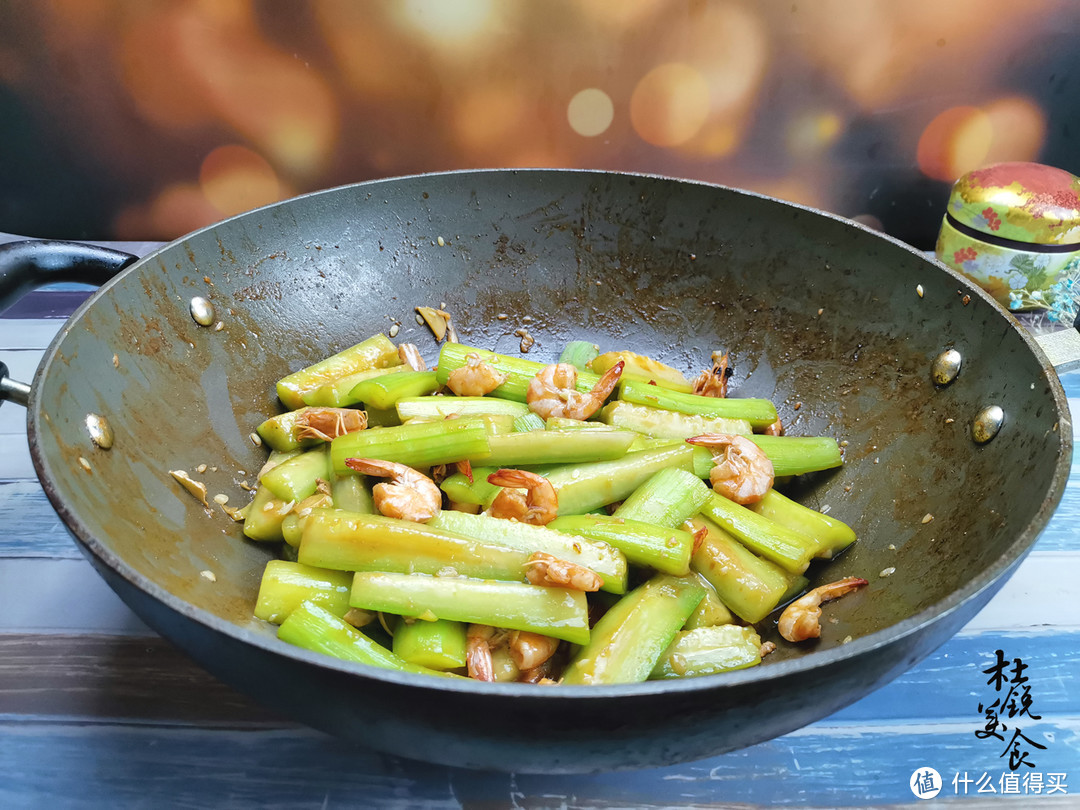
(530, 650)
(410, 356)
(409, 496)
(538, 505)
(775, 429)
(328, 423)
(742, 472)
(480, 640)
(713, 383)
(800, 620)
(552, 393)
(545, 569)
(474, 379)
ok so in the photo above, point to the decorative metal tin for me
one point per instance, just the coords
(1014, 228)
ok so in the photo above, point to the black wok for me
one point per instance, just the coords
(838, 325)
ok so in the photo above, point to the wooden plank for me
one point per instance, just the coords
(28, 333)
(15, 463)
(31, 526)
(96, 677)
(100, 677)
(79, 765)
(61, 596)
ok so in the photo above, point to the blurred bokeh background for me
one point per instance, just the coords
(144, 119)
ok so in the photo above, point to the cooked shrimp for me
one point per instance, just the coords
(548, 570)
(328, 423)
(409, 496)
(552, 393)
(775, 429)
(800, 619)
(713, 383)
(530, 650)
(538, 504)
(410, 356)
(742, 471)
(476, 378)
(480, 640)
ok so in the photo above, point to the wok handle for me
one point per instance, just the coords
(33, 263)
(28, 264)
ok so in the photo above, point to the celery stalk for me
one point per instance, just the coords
(584, 487)
(668, 499)
(750, 586)
(317, 629)
(628, 641)
(557, 612)
(554, 447)
(386, 390)
(789, 549)
(579, 353)
(437, 645)
(350, 541)
(285, 585)
(519, 372)
(442, 407)
(420, 445)
(599, 557)
(375, 352)
(666, 550)
(297, 478)
(708, 651)
(832, 535)
(760, 413)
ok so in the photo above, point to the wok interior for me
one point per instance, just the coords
(818, 315)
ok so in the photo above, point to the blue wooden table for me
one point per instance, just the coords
(97, 711)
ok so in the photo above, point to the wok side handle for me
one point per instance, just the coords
(33, 263)
(28, 264)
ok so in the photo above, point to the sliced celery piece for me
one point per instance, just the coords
(439, 644)
(759, 412)
(317, 629)
(668, 498)
(708, 651)
(442, 407)
(556, 612)
(831, 535)
(285, 585)
(386, 390)
(420, 445)
(600, 557)
(375, 352)
(297, 478)
(519, 372)
(554, 447)
(666, 550)
(628, 641)
(750, 586)
(663, 424)
(787, 548)
(350, 541)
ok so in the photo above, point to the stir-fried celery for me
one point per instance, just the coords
(460, 587)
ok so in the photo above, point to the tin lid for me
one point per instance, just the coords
(1019, 202)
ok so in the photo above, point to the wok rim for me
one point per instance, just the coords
(992, 577)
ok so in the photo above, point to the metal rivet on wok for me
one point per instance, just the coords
(946, 366)
(987, 423)
(100, 432)
(202, 311)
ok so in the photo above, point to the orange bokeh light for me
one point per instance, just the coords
(955, 142)
(235, 179)
(670, 104)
